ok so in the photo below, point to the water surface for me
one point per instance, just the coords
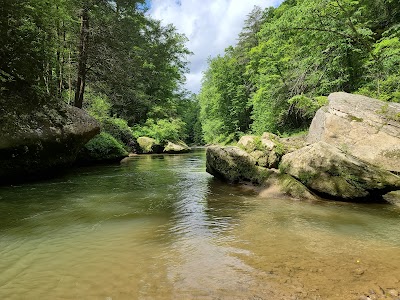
(160, 227)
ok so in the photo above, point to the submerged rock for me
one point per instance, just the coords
(36, 139)
(334, 173)
(367, 128)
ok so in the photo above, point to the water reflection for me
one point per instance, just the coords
(160, 227)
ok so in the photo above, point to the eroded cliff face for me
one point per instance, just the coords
(38, 139)
(366, 128)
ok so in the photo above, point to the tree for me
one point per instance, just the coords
(83, 56)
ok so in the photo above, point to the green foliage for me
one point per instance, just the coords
(103, 147)
(97, 105)
(119, 129)
(134, 66)
(287, 57)
(189, 111)
(161, 130)
(223, 99)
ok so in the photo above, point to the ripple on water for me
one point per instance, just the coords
(159, 227)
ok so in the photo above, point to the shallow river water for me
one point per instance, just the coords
(160, 227)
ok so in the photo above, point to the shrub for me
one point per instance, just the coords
(103, 147)
(119, 129)
(162, 130)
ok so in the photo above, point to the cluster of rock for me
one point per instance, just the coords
(146, 145)
(38, 139)
(351, 153)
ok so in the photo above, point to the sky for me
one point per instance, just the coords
(210, 25)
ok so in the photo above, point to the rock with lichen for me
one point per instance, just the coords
(336, 174)
(366, 128)
(36, 139)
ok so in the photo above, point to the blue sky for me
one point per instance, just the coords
(210, 25)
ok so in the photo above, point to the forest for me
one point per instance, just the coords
(128, 70)
(288, 59)
(108, 57)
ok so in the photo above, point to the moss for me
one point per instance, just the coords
(119, 129)
(283, 168)
(344, 148)
(354, 118)
(305, 177)
(258, 144)
(103, 147)
(393, 154)
(294, 188)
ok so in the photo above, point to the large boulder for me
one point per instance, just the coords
(35, 139)
(268, 149)
(176, 147)
(233, 164)
(367, 128)
(335, 174)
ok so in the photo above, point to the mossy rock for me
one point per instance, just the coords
(280, 184)
(149, 145)
(393, 197)
(176, 147)
(338, 175)
(104, 147)
(233, 165)
(36, 140)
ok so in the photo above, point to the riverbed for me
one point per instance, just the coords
(160, 227)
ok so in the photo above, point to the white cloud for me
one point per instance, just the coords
(210, 25)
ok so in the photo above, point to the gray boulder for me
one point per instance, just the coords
(35, 139)
(233, 164)
(331, 172)
(176, 147)
(367, 128)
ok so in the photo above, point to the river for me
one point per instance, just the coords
(160, 227)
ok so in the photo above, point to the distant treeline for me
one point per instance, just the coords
(288, 58)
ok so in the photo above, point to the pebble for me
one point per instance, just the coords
(393, 293)
(359, 271)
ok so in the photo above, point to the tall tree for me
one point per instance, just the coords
(83, 56)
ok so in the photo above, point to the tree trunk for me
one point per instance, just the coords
(83, 55)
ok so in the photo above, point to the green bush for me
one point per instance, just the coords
(162, 130)
(103, 147)
(119, 129)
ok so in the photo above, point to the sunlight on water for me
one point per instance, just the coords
(160, 227)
